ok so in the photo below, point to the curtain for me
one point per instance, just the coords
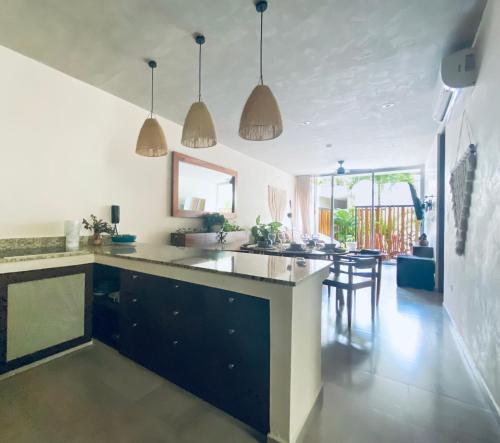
(303, 203)
(277, 203)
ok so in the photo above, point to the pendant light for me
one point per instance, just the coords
(198, 130)
(261, 117)
(151, 141)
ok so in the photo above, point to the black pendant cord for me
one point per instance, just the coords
(199, 74)
(152, 91)
(261, 27)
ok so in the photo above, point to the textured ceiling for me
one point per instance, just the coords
(334, 63)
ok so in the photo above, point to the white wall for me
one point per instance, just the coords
(67, 150)
(472, 281)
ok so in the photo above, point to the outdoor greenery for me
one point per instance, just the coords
(381, 180)
(345, 224)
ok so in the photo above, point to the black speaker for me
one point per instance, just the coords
(115, 214)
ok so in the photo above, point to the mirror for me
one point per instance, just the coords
(200, 187)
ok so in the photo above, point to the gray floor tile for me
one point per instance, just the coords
(399, 380)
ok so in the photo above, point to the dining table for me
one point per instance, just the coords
(320, 253)
(285, 251)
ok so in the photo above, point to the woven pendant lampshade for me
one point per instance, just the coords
(261, 116)
(198, 130)
(151, 141)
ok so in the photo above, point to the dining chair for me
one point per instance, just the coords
(378, 255)
(344, 276)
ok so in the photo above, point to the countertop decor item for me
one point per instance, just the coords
(231, 227)
(72, 233)
(296, 247)
(208, 239)
(123, 238)
(97, 227)
(198, 130)
(261, 117)
(265, 234)
(151, 141)
(221, 237)
(213, 222)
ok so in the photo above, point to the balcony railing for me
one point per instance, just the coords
(396, 228)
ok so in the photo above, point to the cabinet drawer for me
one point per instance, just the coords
(176, 361)
(230, 310)
(138, 343)
(133, 306)
(237, 343)
(133, 282)
(240, 390)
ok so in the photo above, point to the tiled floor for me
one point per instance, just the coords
(403, 381)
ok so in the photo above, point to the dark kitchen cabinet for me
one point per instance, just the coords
(236, 354)
(106, 306)
(212, 342)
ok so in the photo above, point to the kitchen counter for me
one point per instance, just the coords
(273, 269)
(293, 291)
(20, 255)
(281, 270)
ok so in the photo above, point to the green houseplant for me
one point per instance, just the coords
(231, 227)
(97, 227)
(345, 222)
(265, 234)
(213, 221)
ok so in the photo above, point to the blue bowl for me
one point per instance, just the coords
(123, 238)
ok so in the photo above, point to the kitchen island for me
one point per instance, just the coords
(266, 310)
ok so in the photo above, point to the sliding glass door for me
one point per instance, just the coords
(323, 207)
(371, 209)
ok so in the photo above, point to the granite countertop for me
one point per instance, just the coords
(18, 255)
(274, 269)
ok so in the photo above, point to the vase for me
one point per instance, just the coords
(97, 240)
(72, 233)
(215, 228)
(263, 244)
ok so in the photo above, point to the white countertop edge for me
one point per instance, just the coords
(46, 263)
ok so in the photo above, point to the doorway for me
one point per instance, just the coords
(367, 209)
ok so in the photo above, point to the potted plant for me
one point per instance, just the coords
(265, 234)
(97, 227)
(213, 221)
(231, 227)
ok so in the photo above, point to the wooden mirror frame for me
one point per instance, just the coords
(176, 159)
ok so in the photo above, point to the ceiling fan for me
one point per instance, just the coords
(343, 171)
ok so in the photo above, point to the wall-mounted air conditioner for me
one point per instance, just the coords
(458, 71)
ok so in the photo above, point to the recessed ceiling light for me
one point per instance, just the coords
(328, 145)
(387, 105)
(306, 123)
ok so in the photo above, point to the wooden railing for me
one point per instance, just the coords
(396, 228)
(325, 222)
